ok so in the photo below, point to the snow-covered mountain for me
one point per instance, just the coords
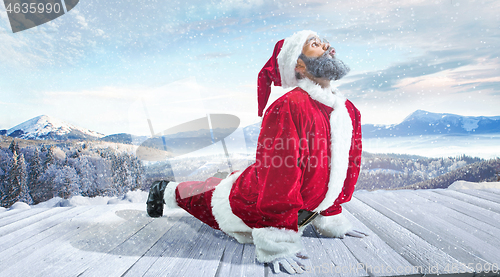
(426, 123)
(45, 127)
(416, 124)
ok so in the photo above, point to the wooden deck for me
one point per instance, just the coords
(412, 233)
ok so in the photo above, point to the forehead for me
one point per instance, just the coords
(311, 38)
(308, 44)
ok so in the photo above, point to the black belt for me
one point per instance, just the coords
(305, 217)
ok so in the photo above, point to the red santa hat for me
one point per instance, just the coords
(280, 68)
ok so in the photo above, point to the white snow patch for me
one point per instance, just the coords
(54, 202)
(20, 206)
(59, 153)
(472, 185)
(381, 170)
(2, 209)
(75, 201)
(136, 197)
(470, 124)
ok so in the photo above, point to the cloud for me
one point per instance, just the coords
(213, 55)
(117, 93)
(241, 4)
(387, 79)
(81, 20)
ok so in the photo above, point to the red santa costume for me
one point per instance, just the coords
(308, 157)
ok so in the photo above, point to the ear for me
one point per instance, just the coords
(300, 67)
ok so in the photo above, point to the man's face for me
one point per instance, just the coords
(319, 59)
(315, 47)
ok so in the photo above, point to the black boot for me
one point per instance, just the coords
(155, 198)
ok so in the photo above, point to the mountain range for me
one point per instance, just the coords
(426, 123)
(416, 124)
(48, 128)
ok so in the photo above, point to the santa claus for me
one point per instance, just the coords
(307, 161)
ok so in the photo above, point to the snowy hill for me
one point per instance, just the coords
(426, 123)
(124, 138)
(45, 127)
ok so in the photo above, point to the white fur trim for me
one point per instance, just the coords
(169, 196)
(223, 214)
(272, 243)
(341, 135)
(335, 226)
(326, 96)
(287, 58)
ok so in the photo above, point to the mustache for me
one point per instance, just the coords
(327, 53)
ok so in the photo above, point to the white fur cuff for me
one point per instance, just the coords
(169, 196)
(223, 213)
(335, 226)
(272, 243)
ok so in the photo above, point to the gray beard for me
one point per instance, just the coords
(325, 66)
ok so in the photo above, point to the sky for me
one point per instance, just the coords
(110, 65)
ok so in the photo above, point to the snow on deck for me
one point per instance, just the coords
(412, 233)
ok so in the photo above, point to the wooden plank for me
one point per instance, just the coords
(328, 256)
(20, 251)
(493, 190)
(8, 213)
(452, 246)
(426, 258)
(23, 222)
(239, 260)
(373, 254)
(207, 254)
(231, 263)
(118, 261)
(481, 214)
(21, 215)
(86, 249)
(52, 257)
(19, 255)
(481, 194)
(491, 206)
(31, 231)
(154, 253)
(431, 215)
(174, 247)
(250, 265)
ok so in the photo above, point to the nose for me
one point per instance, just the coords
(326, 45)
